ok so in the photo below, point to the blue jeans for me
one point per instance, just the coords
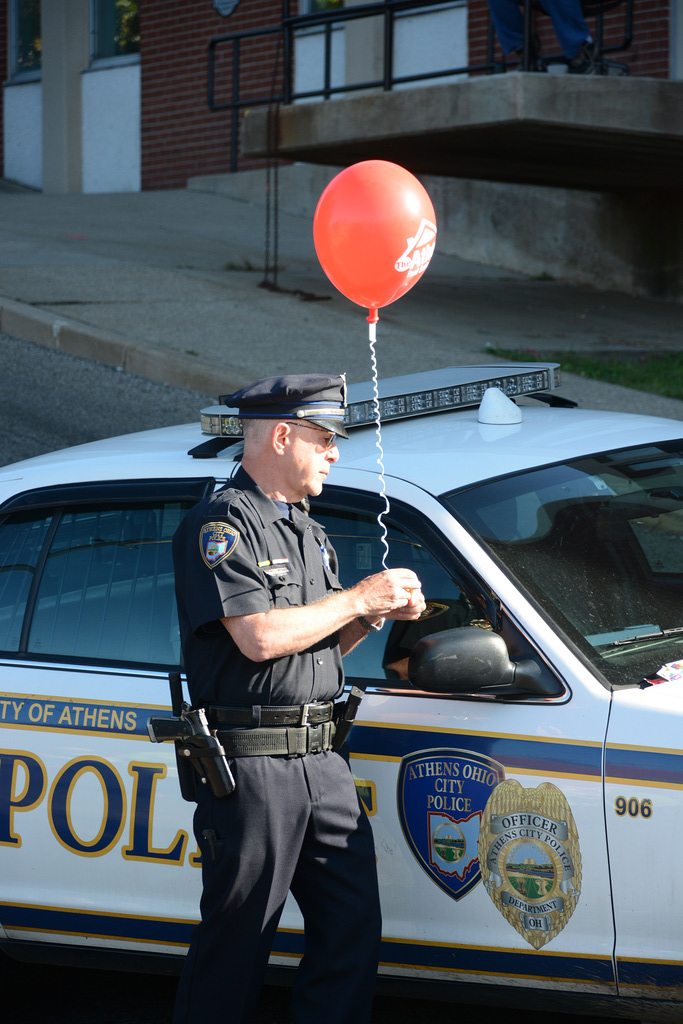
(566, 15)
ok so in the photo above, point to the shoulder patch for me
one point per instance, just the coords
(216, 542)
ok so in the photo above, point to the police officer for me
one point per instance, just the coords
(264, 624)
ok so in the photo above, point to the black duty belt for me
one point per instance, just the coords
(258, 715)
(292, 742)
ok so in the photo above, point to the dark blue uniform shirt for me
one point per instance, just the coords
(235, 553)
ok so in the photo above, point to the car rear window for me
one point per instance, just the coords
(91, 583)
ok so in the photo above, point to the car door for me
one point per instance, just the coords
(644, 755)
(93, 830)
(644, 813)
(487, 814)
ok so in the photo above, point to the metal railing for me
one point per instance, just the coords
(284, 36)
(282, 89)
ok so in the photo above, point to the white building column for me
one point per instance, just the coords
(66, 52)
(676, 51)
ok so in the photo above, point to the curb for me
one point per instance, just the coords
(41, 327)
(28, 323)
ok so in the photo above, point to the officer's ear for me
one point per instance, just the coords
(280, 436)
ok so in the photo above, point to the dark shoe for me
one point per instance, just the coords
(584, 61)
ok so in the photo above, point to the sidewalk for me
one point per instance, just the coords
(165, 285)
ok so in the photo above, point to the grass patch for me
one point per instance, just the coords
(656, 373)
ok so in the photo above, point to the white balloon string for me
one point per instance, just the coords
(372, 331)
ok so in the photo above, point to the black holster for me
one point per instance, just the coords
(200, 757)
(345, 719)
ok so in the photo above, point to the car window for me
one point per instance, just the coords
(357, 539)
(597, 541)
(91, 582)
(22, 538)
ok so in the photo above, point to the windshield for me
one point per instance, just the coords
(599, 543)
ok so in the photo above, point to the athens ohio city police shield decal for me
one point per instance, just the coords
(530, 859)
(216, 542)
(441, 798)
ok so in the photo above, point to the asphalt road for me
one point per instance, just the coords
(48, 401)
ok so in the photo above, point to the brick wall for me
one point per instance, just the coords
(180, 136)
(647, 55)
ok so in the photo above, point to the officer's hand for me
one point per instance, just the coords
(413, 610)
(392, 594)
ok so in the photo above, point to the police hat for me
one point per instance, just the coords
(311, 397)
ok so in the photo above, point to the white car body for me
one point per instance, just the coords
(564, 892)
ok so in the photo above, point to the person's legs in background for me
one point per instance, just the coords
(570, 28)
(509, 24)
(573, 35)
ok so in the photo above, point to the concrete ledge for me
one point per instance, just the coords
(525, 151)
(21, 320)
(598, 133)
(629, 242)
(90, 343)
(182, 371)
(299, 187)
(27, 323)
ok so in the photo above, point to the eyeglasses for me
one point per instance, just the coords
(325, 442)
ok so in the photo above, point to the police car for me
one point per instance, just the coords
(518, 749)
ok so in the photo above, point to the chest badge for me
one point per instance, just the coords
(441, 798)
(326, 557)
(530, 859)
(216, 542)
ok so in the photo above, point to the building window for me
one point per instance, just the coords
(26, 39)
(115, 28)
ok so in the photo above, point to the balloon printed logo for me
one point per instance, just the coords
(419, 250)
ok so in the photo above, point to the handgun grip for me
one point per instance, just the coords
(161, 728)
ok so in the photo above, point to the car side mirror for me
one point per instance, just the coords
(474, 662)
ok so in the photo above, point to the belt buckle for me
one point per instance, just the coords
(305, 711)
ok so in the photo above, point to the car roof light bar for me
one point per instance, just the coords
(457, 387)
(418, 394)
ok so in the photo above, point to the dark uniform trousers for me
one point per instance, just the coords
(292, 823)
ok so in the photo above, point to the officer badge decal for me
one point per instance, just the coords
(216, 542)
(530, 859)
(441, 797)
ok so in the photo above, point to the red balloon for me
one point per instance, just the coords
(374, 231)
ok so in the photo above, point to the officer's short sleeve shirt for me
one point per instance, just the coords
(235, 553)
